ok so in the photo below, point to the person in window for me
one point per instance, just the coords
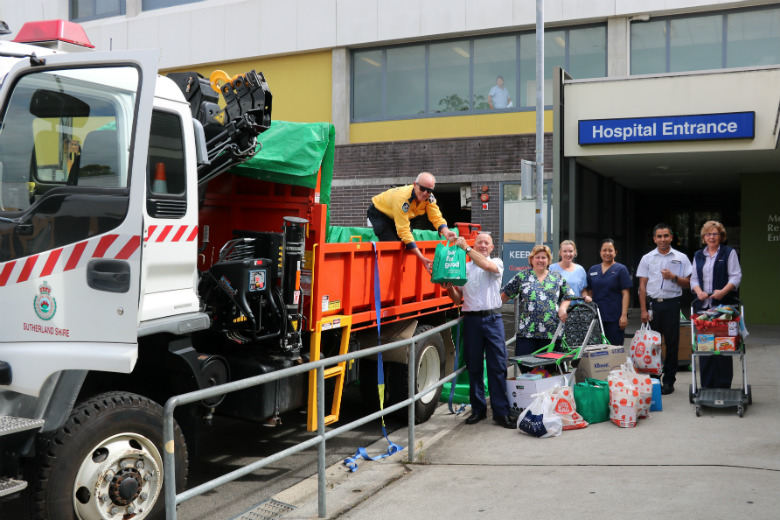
(391, 211)
(544, 299)
(498, 97)
(715, 280)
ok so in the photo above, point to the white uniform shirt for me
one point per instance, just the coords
(483, 290)
(651, 265)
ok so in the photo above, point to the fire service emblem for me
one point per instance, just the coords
(45, 304)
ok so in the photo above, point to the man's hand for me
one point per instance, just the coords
(428, 264)
(461, 243)
(449, 234)
(645, 316)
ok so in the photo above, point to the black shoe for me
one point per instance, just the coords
(474, 418)
(505, 421)
(667, 389)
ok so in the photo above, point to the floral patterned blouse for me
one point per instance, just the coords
(538, 302)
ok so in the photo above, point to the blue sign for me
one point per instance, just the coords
(705, 127)
(515, 257)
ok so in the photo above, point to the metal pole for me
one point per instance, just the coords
(539, 117)
(412, 363)
(321, 478)
(169, 462)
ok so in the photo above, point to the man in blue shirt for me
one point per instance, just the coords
(498, 97)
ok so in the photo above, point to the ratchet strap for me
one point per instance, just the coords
(361, 453)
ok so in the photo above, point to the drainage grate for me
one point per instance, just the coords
(266, 510)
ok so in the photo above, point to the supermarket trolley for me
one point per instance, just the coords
(728, 322)
(583, 327)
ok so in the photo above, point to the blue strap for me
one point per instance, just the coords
(351, 462)
(452, 383)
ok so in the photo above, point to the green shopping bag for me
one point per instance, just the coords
(449, 265)
(592, 399)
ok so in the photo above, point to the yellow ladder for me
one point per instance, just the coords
(338, 371)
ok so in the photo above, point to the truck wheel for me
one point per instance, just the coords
(105, 462)
(430, 358)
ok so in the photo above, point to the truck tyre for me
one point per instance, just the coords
(111, 443)
(429, 358)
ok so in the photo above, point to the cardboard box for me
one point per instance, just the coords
(683, 347)
(725, 344)
(598, 360)
(519, 391)
(705, 342)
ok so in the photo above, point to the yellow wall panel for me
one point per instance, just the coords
(300, 84)
(448, 127)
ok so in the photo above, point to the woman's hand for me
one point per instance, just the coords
(719, 294)
(562, 315)
(701, 295)
(623, 322)
(587, 299)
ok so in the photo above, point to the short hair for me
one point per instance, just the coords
(539, 249)
(567, 243)
(661, 225)
(609, 241)
(713, 224)
(420, 175)
(500, 77)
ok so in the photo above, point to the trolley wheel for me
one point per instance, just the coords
(698, 411)
(740, 411)
(749, 395)
(691, 395)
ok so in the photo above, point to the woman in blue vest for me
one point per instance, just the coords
(715, 280)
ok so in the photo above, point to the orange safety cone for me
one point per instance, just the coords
(160, 183)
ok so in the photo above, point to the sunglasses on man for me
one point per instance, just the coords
(424, 188)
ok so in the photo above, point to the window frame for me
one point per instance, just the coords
(470, 44)
(94, 16)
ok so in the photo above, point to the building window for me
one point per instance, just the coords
(713, 41)
(148, 5)
(469, 75)
(83, 10)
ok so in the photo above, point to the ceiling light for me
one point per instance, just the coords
(461, 52)
(560, 41)
(370, 61)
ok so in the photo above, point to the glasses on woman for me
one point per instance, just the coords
(711, 234)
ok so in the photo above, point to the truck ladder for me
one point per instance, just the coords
(338, 371)
(10, 425)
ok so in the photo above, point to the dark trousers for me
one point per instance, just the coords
(714, 371)
(484, 340)
(666, 320)
(614, 334)
(384, 226)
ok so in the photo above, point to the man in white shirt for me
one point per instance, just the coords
(483, 330)
(663, 273)
(498, 97)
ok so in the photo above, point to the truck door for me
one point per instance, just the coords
(73, 150)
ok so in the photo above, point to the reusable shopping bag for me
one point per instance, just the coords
(641, 382)
(592, 399)
(566, 408)
(449, 265)
(623, 399)
(540, 419)
(646, 350)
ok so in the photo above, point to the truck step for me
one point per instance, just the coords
(9, 486)
(9, 425)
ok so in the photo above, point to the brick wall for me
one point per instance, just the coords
(360, 170)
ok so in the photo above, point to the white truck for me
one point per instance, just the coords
(114, 298)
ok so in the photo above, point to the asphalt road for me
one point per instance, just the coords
(231, 444)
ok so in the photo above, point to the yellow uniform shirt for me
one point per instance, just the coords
(400, 204)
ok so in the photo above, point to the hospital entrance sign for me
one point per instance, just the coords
(702, 127)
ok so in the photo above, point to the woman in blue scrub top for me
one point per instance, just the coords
(574, 274)
(609, 285)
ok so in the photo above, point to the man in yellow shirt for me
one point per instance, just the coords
(390, 212)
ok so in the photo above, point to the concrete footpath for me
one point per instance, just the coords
(671, 465)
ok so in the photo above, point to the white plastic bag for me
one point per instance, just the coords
(646, 350)
(642, 383)
(565, 406)
(623, 399)
(540, 419)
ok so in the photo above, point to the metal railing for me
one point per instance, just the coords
(172, 499)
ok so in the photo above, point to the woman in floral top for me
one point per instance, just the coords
(544, 299)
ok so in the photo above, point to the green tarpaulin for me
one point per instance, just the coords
(291, 153)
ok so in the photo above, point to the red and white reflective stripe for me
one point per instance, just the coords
(63, 259)
(170, 233)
